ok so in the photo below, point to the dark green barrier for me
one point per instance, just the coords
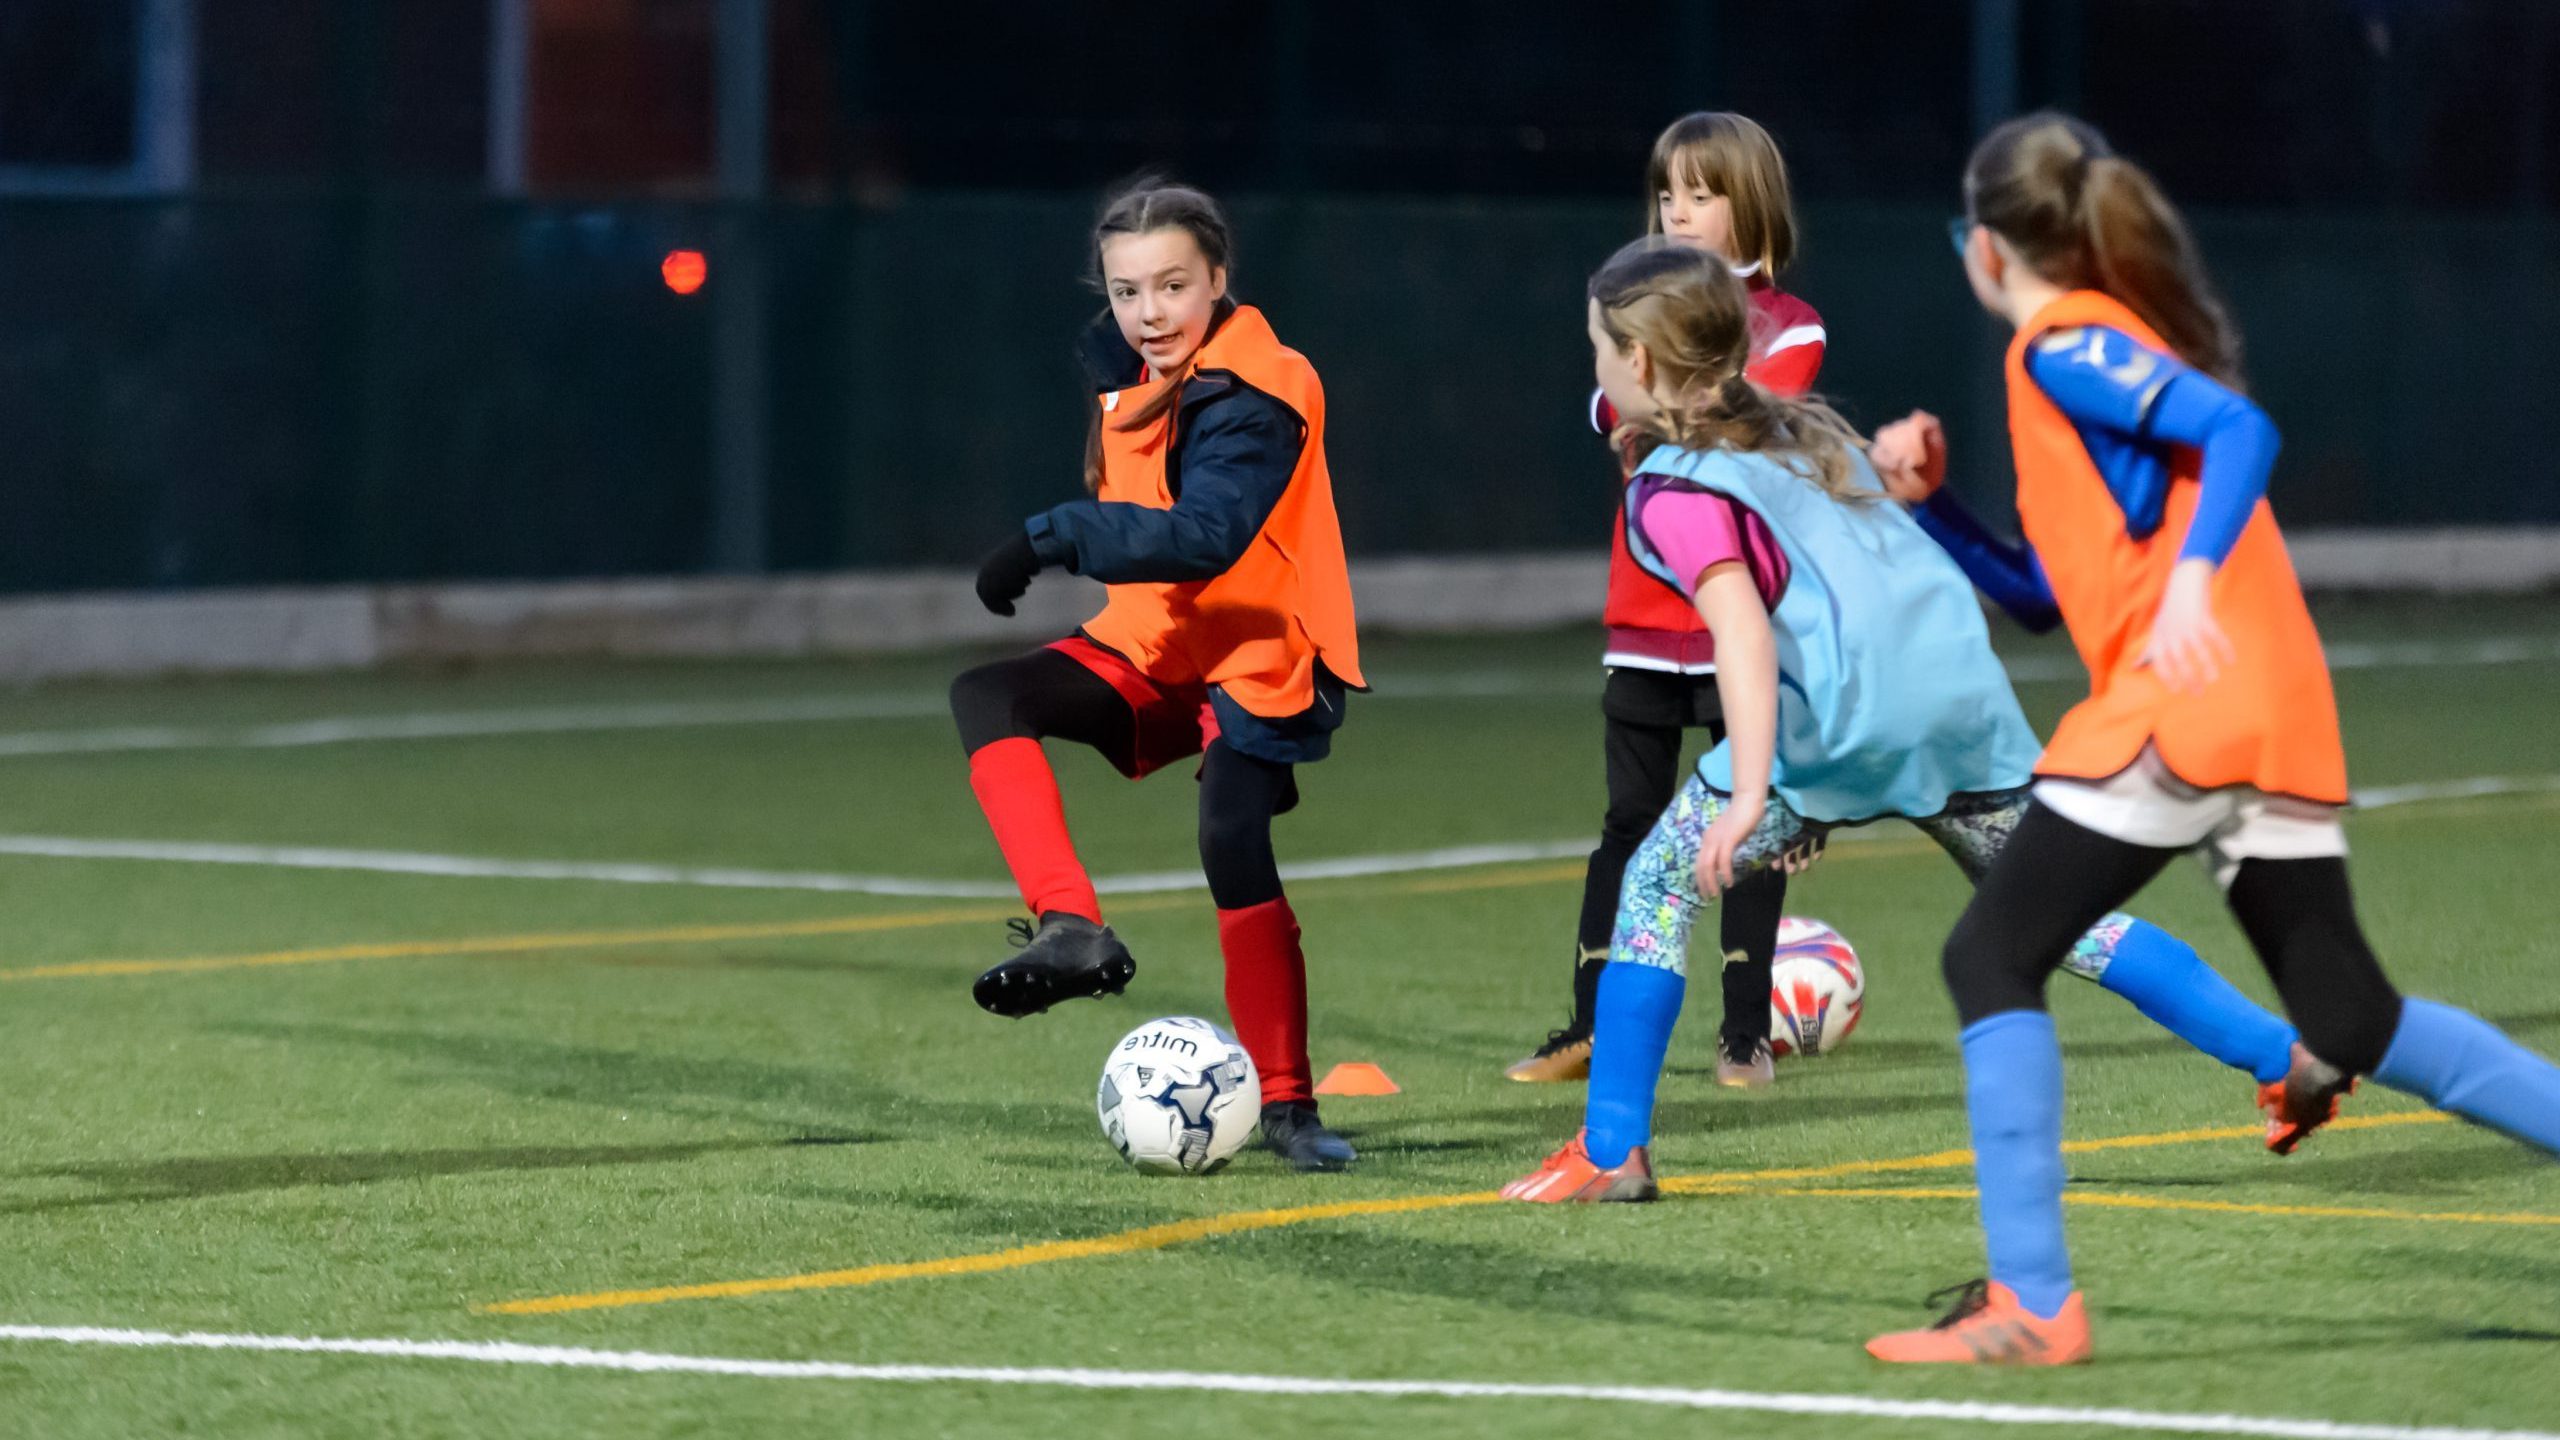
(293, 390)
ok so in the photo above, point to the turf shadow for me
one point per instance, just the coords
(2415, 1170)
(2501, 1269)
(1542, 1118)
(1013, 1220)
(195, 1177)
(1728, 1113)
(1891, 1055)
(1657, 1292)
(726, 1088)
(2524, 1019)
(2293, 1335)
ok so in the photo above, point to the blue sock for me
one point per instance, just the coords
(1630, 1035)
(2166, 980)
(2013, 1097)
(2456, 1061)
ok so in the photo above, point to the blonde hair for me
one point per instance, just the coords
(2085, 217)
(1694, 320)
(1728, 155)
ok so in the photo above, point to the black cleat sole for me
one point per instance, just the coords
(1018, 991)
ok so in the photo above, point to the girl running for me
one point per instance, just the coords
(2209, 725)
(1228, 635)
(1857, 682)
(1715, 182)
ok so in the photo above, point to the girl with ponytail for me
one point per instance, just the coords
(2142, 474)
(1856, 679)
(1228, 635)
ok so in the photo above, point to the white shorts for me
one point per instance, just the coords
(2144, 804)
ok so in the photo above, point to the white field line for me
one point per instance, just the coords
(2355, 655)
(1150, 882)
(643, 1362)
(394, 862)
(2382, 796)
(1490, 684)
(464, 724)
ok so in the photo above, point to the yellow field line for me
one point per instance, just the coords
(1152, 1237)
(1158, 1237)
(693, 934)
(513, 944)
(2106, 1200)
(1126, 1242)
(2384, 1120)
(1958, 1159)
(1541, 875)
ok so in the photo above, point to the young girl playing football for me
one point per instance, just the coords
(1766, 511)
(2209, 725)
(1227, 635)
(1717, 182)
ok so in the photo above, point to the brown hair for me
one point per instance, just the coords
(2085, 217)
(1142, 206)
(1694, 319)
(1728, 155)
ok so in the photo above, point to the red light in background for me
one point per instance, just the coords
(684, 271)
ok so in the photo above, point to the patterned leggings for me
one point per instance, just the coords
(1660, 899)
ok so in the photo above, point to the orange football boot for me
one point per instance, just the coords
(1569, 1177)
(2303, 1101)
(1989, 1327)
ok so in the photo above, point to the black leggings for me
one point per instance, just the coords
(1646, 712)
(1046, 695)
(2055, 879)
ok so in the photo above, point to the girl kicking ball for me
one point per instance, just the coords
(1228, 635)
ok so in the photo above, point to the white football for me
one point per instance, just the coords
(1817, 990)
(1179, 1097)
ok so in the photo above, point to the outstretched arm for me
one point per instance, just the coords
(2006, 570)
(1236, 464)
(1910, 456)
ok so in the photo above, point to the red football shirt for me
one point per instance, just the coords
(1650, 628)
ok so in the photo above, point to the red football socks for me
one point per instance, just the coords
(1267, 996)
(1019, 792)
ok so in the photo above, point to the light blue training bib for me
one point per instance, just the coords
(1889, 698)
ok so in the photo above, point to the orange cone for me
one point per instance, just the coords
(1357, 1077)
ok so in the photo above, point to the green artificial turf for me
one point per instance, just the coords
(383, 1146)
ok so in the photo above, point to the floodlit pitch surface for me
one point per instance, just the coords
(639, 1091)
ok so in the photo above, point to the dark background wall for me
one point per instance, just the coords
(335, 355)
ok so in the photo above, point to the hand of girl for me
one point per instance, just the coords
(1005, 575)
(2188, 646)
(1910, 456)
(1725, 835)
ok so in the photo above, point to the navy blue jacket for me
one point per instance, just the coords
(1234, 449)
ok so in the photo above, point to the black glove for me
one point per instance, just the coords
(1005, 575)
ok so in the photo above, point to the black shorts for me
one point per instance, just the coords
(1660, 700)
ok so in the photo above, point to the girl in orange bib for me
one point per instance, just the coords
(2209, 725)
(1227, 635)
